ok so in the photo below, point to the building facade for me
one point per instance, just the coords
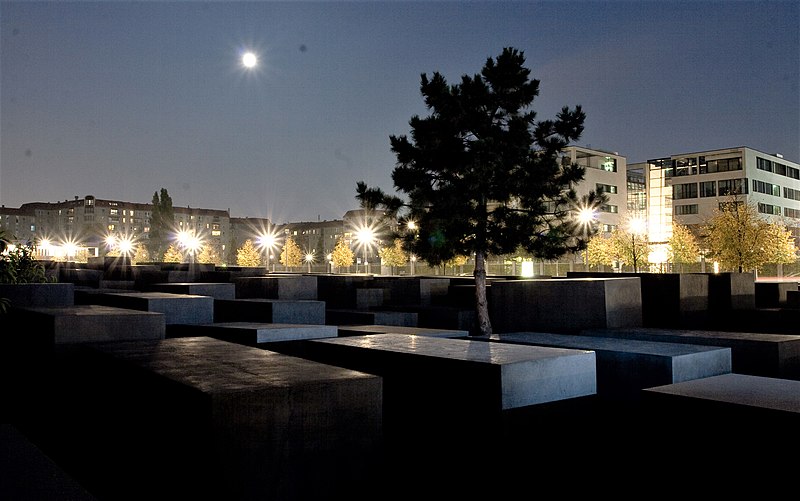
(688, 187)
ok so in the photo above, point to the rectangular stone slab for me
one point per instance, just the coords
(200, 418)
(463, 373)
(360, 330)
(625, 366)
(255, 333)
(754, 353)
(279, 311)
(92, 323)
(215, 290)
(177, 308)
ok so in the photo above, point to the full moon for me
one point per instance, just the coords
(249, 60)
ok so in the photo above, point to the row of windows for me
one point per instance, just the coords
(795, 213)
(613, 209)
(692, 165)
(723, 187)
(605, 188)
(682, 210)
(767, 188)
(791, 194)
(769, 209)
(777, 168)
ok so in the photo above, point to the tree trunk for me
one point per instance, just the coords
(481, 305)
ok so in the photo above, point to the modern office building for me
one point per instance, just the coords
(687, 187)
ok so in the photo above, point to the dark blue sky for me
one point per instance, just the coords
(120, 99)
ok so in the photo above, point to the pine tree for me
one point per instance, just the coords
(483, 176)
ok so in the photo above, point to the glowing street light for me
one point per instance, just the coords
(267, 241)
(191, 242)
(586, 217)
(249, 60)
(309, 259)
(365, 236)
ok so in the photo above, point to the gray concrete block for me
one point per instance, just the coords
(362, 330)
(464, 374)
(377, 317)
(340, 291)
(91, 323)
(418, 290)
(277, 287)
(279, 311)
(668, 299)
(177, 308)
(46, 294)
(565, 305)
(731, 291)
(200, 418)
(773, 294)
(753, 353)
(255, 333)
(215, 290)
(765, 409)
(625, 366)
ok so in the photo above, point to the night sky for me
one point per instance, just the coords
(119, 99)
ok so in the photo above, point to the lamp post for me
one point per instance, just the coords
(267, 241)
(365, 236)
(309, 260)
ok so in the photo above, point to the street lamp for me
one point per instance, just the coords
(365, 236)
(267, 241)
(586, 217)
(309, 260)
(191, 242)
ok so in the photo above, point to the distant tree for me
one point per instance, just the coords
(342, 255)
(683, 246)
(456, 262)
(208, 254)
(601, 251)
(248, 255)
(141, 255)
(115, 252)
(393, 255)
(291, 255)
(162, 222)
(482, 175)
(631, 248)
(740, 239)
(173, 255)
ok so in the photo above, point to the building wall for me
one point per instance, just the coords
(696, 183)
(607, 171)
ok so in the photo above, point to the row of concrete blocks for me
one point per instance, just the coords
(300, 419)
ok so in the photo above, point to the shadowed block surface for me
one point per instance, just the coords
(277, 287)
(200, 418)
(755, 353)
(498, 376)
(565, 305)
(360, 330)
(625, 366)
(348, 317)
(47, 294)
(279, 311)
(177, 308)
(215, 290)
(253, 333)
(93, 323)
